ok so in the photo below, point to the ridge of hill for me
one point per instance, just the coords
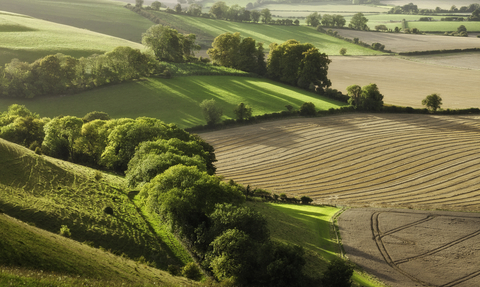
(51, 193)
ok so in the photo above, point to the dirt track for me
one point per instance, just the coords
(407, 83)
(414, 248)
(392, 160)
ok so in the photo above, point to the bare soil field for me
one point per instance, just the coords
(414, 248)
(374, 160)
(401, 43)
(406, 83)
(467, 60)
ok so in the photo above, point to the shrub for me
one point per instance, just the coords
(343, 51)
(211, 111)
(191, 271)
(174, 270)
(283, 196)
(38, 150)
(307, 109)
(65, 231)
(306, 199)
(98, 175)
(338, 274)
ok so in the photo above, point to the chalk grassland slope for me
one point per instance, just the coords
(406, 83)
(401, 43)
(50, 193)
(359, 159)
(408, 248)
(177, 100)
(34, 257)
(29, 39)
(102, 16)
(307, 226)
(207, 29)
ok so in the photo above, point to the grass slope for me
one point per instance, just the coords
(29, 39)
(308, 226)
(177, 100)
(49, 193)
(47, 259)
(103, 16)
(207, 29)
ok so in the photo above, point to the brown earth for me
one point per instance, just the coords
(401, 43)
(390, 160)
(414, 248)
(406, 83)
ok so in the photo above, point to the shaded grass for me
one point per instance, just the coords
(49, 193)
(177, 100)
(207, 29)
(307, 226)
(103, 16)
(29, 39)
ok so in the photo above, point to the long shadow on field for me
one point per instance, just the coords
(432, 122)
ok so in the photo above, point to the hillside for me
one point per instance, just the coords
(102, 16)
(50, 193)
(29, 39)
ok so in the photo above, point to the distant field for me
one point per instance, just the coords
(103, 16)
(468, 60)
(304, 9)
(444, 26)
(431, 4)
(208, 29)
(399, 42)
(177, 100)
(406, 83)
(29, 39)
(383, 160)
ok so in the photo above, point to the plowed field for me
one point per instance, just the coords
(359, 159)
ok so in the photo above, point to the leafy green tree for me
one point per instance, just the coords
(359, 22)
(242, 112)
(338, 274)
(156, 5)
(313, 19)
(192, 271)
(343, 51)
(255, 15)
(266, 16)
(339, 20)
(432, 102)
(139, 3)
(219, 9)
(354, 91)
(371, 99)
(169, 45)
(306, 199)
(60, 136)
(211, 111)
(24, 131)
(327, 20)
(194, 9)
(461, 28)
(307, 109)
(178, 8)
(91, 116)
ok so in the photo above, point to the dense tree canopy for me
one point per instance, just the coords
(359, 22)
(169, 45)
(432, 102)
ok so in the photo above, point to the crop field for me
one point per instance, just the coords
(400, 43)
(407, 248)
(177, 100)
(102, 16)
(29, 39)
(207, 29)
(444, 26)
(431, 4)
(388, 160)
(406, 83)
(304, 9)
(468, 60)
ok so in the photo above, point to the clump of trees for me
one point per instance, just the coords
(432, 102)
(359, 22)
(367, 98)
(169, 45)
(211, 111)
(327, 20)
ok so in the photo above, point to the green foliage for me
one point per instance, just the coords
(91, 116)
(60, 136)
(192, 271)
(219, 9)
(366, 98)
(21, 126)
(65, 231)
(343, 51)
(359, 22)
(169, 45)
(243, 112)
(231, 51)
(354, 91)
(432, 102)
(313, 19)
(211, 111)
(308, 109)
(338, 274)
(306, 199)
(156, 5)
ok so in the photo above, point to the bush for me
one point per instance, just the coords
(174, 270)
(343, 51)
(65, 231)
(306, 199)
(338, 274)
(307, 109)
(191, 271)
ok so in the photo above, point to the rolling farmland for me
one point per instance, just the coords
(418, 161)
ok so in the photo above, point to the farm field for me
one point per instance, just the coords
(29, 39)
(207, 29)
(407, 248)
(431, 4)
(177, 100)
(468, 60)
(401, 43)
(444, 26)
(102, 16)
(390, 160)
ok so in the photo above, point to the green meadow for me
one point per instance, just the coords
(207, 29)
(444, 26)
(29, 39)
(103, 16)
(310, 227)
(176, 100)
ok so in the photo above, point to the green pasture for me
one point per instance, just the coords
(29, 39)
(207, 29)
(49, 193)
(444, 26)
(307, 226)
(177, 100)
(102, 16)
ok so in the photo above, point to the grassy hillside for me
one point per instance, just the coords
(308, 226)
(50, 193)
(47, 259)
(177, 100)
(29, 39)
(207, 29)
(103, 16)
